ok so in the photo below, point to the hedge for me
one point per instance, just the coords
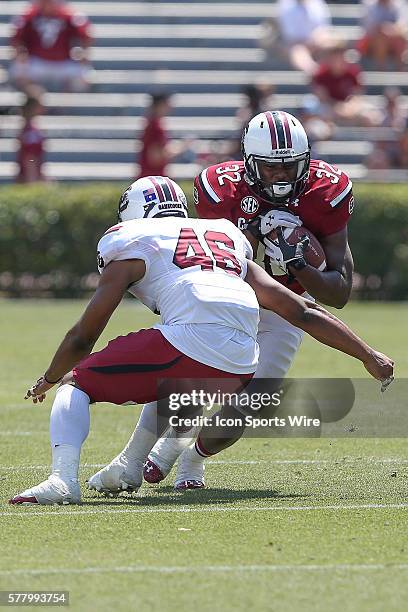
(48, 235)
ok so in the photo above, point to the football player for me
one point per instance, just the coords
(276, 185)
(193, 272)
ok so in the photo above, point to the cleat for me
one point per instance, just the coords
(53, 491)
(152, 473)
(183, 485)
(117, 477)
(190, 471)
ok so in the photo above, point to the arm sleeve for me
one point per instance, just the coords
(81, 27)
(340, 205)
(208, 199)
(18, 30)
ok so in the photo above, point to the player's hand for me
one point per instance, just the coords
(38, 391)
(284, 254)
(380, 367)
(277, 218)
(262, 225)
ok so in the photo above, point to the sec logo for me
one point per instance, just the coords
(249, 204)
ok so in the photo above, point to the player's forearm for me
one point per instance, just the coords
(329, 330)
(70, 352)
(330, 288)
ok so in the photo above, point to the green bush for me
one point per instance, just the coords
(48, 235)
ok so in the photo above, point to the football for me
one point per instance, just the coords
(314, 253)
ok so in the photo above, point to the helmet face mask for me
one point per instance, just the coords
(152, 197)
(276, 154)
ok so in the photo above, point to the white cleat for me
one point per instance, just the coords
(54, 490)
(190, 471)
(117, 477)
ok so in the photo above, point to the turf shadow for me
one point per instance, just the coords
(167, 496)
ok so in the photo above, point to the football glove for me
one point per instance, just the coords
(284, 254)
(277, 218)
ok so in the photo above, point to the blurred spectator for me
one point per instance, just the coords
(257, 99)
(402, 161)
(392, 152)
(30, 156)
(393, 114)
(317, 126)
(385, 28)
(337, 84)
(257, 96)
(304, 31)
(156, 152)
(50, 41)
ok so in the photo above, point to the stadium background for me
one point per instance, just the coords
(204, 53)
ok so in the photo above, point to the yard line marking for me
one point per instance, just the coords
(168, 569)
(237, 462)
(188, 509)
(22, 433)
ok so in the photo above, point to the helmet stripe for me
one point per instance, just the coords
(272, 129)
(166, 190)
(288, 134)
(158, 188)
(171, 187)
(279, 130)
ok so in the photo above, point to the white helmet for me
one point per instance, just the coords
(152, 196)
(276, 137)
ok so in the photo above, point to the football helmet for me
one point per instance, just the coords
(152, 196)
(276, 139)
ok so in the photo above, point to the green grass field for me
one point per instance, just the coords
(283, 525)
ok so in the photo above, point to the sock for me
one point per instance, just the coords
(167, 450)
(144, 436)
(69, 420)
(200, 453)
(148, 417)
(65, 461)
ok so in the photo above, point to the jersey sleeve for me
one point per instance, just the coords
(117, 245)
(210, 200)
(18, 30)
(333, 197)
(80, 26)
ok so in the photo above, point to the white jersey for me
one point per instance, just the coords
(195, 270)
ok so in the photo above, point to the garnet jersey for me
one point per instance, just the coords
(195, 272)
(50, 37)
(324, 207)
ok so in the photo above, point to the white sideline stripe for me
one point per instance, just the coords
(176, 569)
(191, 510)
(9, 468)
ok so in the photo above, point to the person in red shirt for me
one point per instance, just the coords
(30, 156)
(157, 151)
(50, 41)
(337, 84)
